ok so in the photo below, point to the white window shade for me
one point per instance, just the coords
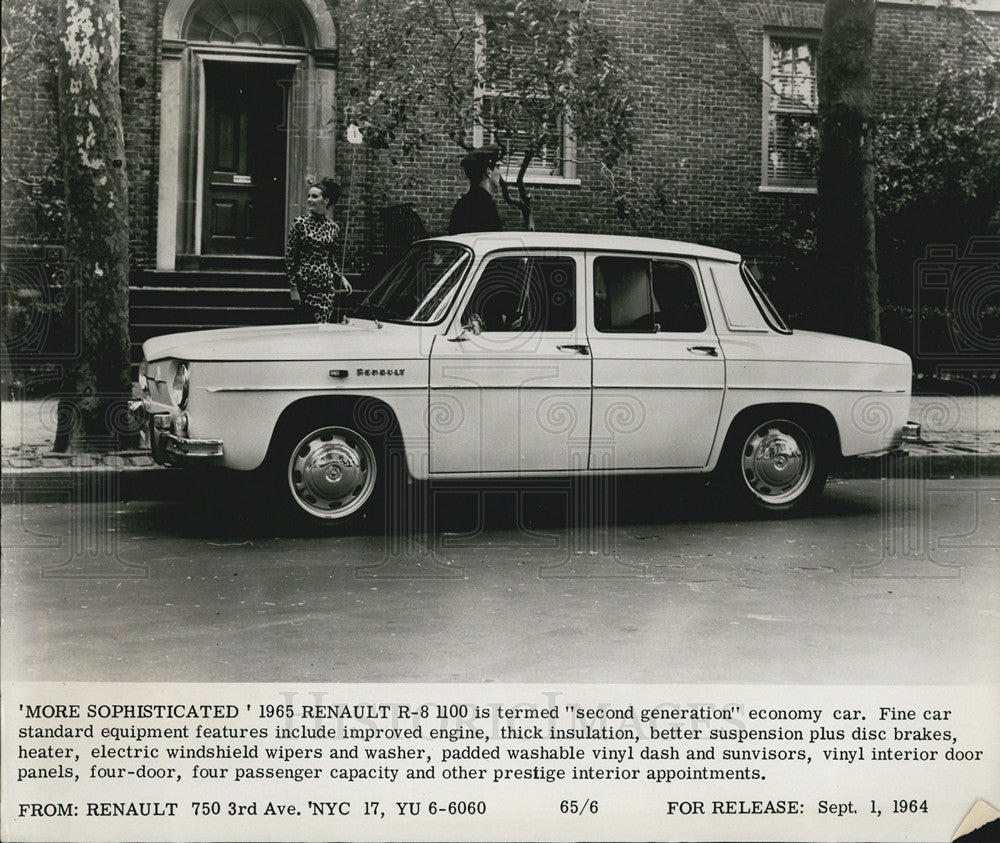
(513, 118)
(790, 105)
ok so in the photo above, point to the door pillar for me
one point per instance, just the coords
(169, 199)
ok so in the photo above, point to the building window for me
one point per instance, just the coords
(510, 119)
(262, 23)
(790, 104)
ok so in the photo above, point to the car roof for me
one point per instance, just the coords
(489, 241)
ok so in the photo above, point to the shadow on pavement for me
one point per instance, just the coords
(229, 507)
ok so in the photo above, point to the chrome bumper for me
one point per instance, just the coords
(910, 432)
(167, 446)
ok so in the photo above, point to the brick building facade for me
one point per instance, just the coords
(701, 124)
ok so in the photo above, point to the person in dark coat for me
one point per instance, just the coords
(476, 210)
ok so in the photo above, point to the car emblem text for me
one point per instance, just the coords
(381, 372)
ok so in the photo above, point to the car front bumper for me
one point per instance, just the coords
(910, 432)
(168, 446)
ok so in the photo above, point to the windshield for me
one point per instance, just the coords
(419, 287)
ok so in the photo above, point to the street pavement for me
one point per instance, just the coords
(960, 438)
(886, 582)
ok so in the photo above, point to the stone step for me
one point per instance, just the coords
(232, 263)
(200, 278)
(200, 297)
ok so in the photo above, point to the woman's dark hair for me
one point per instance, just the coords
(330, 190)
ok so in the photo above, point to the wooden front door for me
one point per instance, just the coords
(245, 150)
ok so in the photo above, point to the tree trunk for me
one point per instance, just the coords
(96, 380)
(846, 213)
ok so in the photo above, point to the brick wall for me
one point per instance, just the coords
(140, 86)
(31, 141)
(699, 126)
(28, 123)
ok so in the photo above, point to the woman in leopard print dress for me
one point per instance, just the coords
(309, 259)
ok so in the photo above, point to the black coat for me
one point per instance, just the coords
(475, 211)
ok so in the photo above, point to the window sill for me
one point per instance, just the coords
(530, 178)
(780, 188)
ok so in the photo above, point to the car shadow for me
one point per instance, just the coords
(227, 506)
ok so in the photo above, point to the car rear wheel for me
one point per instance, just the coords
(776, 464)
(332, 474)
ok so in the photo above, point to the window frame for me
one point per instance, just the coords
(576, 286)
(564, 171)
(456, 276)
(592, 259)
(771, 105)
(730, 289)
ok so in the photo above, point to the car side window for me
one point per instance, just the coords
(525, 294)
(741, 311)
(642, 295)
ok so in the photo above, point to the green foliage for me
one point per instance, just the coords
(931, 334)
(546, 62)
(28, 41)
(412, 66)
(791, 270)
(938, 171)
(937, 164)
(29, 49)
(649, 208)
(429, 69)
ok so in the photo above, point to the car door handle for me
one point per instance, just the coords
(709, 350)
(579, 349)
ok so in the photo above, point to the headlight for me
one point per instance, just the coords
(143, 380)
(179, 388)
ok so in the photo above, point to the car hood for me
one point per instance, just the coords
(356, 339)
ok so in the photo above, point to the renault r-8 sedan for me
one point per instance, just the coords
(525, 355)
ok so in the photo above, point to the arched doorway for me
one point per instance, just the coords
(247, 96)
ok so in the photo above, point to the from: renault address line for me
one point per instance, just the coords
(97, 809)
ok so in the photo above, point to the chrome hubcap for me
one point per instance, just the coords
(332, 472)
(778, 462)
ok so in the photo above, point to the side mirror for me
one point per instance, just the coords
(473, 326)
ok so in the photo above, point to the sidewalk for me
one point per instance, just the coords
(961, 438)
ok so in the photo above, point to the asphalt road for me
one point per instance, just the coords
(883, 583)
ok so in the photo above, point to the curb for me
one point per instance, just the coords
(62, 485)
(919, 466)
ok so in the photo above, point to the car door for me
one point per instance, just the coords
(514, 397)
(659, 373)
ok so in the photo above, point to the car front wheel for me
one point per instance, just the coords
(332, 474)
(777, 465)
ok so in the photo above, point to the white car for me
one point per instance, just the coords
(525, 355)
